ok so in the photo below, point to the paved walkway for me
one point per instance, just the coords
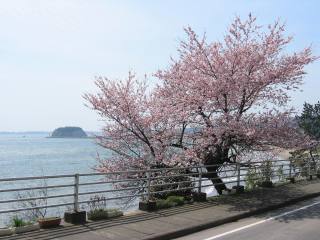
(169, 223)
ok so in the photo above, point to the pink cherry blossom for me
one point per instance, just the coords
(215, 101)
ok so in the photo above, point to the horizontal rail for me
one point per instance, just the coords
(172, 176)
(35, 178)
(142, 182)
(132, 171)
(36, 188)
(35, 198)
(33, 208)
(112, 190)
(174, 190)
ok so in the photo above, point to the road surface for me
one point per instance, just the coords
(297, 222)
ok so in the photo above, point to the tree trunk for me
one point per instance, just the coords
(219, 157)
(215, 179)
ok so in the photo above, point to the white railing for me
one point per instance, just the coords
(75, 189)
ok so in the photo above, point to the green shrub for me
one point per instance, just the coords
(171, 201)
(252, 179)
(176, 199)
(18, 222)
(161, 204)
(99, 214)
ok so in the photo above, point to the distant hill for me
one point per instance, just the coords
(69, 132)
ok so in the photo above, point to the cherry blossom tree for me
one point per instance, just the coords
(214, 103)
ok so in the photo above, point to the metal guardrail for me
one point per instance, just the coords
(140, 183)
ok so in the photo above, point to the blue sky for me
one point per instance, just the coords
(50, 50)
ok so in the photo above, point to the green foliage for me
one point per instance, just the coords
(176, 199)
(18, 222)
(309, 120)
(99, 214)
(252, 179)
(300, 160)
(97, 209)
(256, 175)
(266, 170)
(171, 201)
(280, 173)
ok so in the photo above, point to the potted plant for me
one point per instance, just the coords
(20, 226)
(98, 209)
(49, 222)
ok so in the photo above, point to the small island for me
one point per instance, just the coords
(69, 132)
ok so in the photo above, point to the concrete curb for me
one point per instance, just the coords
(199, 227)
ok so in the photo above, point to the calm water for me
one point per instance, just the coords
(34, 154)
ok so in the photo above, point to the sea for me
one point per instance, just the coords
(34, 154)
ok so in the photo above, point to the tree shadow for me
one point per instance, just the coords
(266, 203)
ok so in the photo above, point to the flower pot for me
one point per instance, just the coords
(6, 232)
(267, 184)
(148, 205)
(199, 196)
(49, 222)
(75, 217)
(291, 179)
(27, 228)
(238, 189)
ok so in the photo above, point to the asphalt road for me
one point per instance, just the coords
(297, 222)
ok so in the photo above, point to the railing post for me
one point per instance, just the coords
(76, 192)
(238, 174)
(200, 179)
(291, 178)
(309, 169)
(148, 185)
(290, 168)
(316, 167)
